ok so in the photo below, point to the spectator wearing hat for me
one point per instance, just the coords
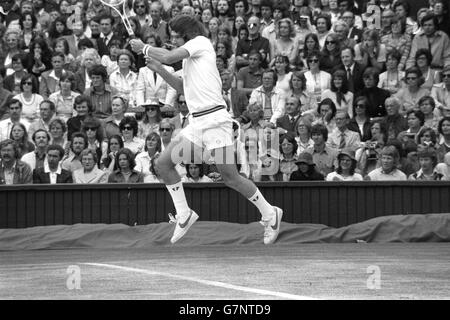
(428, 161)
(389, 159)
(306, 169)
(346, 167)
(151, 119)
(324, 157)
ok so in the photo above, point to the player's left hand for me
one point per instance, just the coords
(137, 45)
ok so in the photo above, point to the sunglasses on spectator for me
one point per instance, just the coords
(165, 129)
(411, 78)
(91, 128)
(313, 60)
(360, 106)
(330, 42)
(446, 76)
(140, 6)
(181, 102)
(127, 128)
(28, 83)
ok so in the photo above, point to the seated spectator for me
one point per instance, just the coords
(325, 113)
(444, 167)
(410, 95)
(324, 157)
(100, 93)
(12, 81)
(195, 173)
(432, 115)
(341, 137)
(394, 121)
(416, 121)
(255, 124)
(72, 161)
(283, 71)
(125, 173)
(83, 108)
(428, 161)
(371, 52)
(14, 111)
(37, 158)
(297, 85)
(58, 133)
(317, 81)
(341, 29)
(285, 43)
(88, 59)
(235, 99)
(392, 79)
(166, 130)
(109, 61)
(444, 143)
(151, 120)
(288, 159)
(389, 159)
(62, 45)
(144, 160)
(12, 169)
(306, 169)
(250, 77)
(353, 69)
(339, 93)
(441, 92)
(423, 62)
(119, 106)
(360, 122)
(20, 136)
(89, 173)
(129, 129)
(288, 122)
(64, 97)
(93, 130)
(374, 95)
(398, 40)
(123, 79)
(49, 80)
(108, 161)
(52, 172)
(5, 95)
(331, 54)
(47, 111)
(346, 167)
(368, 156)
(323, 27)
(39, 57)
(29, 97)
(427, 138)
(303, 134)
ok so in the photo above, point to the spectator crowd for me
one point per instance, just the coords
(328, 90)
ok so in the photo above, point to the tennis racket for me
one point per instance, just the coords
(114, 4)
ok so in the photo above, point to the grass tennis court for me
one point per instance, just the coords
(307, 271)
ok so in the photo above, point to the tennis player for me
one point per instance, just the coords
(211, 126)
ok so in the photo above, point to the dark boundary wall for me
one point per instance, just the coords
(335, 204)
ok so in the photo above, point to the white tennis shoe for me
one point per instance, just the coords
(272, 226)
(182, 224)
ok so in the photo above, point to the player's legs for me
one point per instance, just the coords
(271, 216)
(165, 169)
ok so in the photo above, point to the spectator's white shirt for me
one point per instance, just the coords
(379, 175)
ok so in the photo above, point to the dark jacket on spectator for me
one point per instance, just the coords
(40, 176)
(376, 97)
(311, 175)
(22, 173)
(366, 134)
(117, 177)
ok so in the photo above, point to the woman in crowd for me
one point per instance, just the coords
(297, 86)
(64, 99)
(410, 95)
(83, 108)
(285, 43)
(331, 53)
(58, 29)
(124, 80)
(92, 128)
(20, 136)
(108, 161)
(11, 48)
(213, 29)
(89, 173)
(423, 61)
(444, 143)
(303, 137)
(239, 22)
(370, 52)
(432, 115)
(324, 114)
(392, 79)
(339, 93)
(398, 40)
(166, 129)
(195, 173)
(284, 74)
(27, 22)
(29, 97)
(119, 106)
(151, 120)
(306, 169)
(367, 157)
(416, 121)
(125, 173)
(346, 168)
(109, 61)
(223, 49)
(427, 137)
(288, 157)
(206, 17)
(39, 58)
(129, 129)
(323, 27)
(144, 160)
(361, 121)
(317, 81)
(58, 133)
(62, 45)
(89, 58)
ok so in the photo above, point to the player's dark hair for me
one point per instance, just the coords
(187, 27)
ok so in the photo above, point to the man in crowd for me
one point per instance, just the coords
(52, 172)
(12, 170)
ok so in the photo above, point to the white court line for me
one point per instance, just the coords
(205, 282)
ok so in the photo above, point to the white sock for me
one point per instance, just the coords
(261, 203)
(179, 198)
